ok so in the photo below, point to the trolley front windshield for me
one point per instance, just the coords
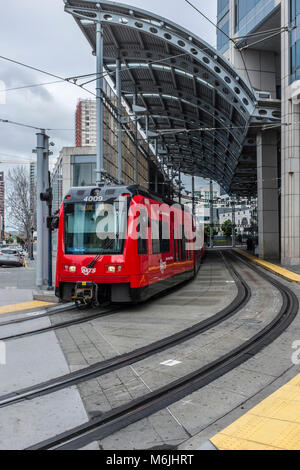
(95, 228)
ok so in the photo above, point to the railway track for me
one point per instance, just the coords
(121, 361)
(65, 324)
(40, 314)
(102, 426)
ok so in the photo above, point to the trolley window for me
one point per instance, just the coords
(183, 249)
(160, 237)
(164, 235)
(95, 228)
(143, 233)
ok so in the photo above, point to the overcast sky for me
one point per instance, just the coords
(41, 34)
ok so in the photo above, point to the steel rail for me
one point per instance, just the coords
(61, 325)
(102, 426)
(121, 361)
(43, 313)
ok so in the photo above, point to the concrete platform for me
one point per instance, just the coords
(45, 296)
(186, 425)
(191, 422)
(24, 306)
(274, 424)
(289, 274)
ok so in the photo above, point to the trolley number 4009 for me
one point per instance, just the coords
(93, 199)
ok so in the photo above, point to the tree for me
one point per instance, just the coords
(207, 231)
(20, 241)
(18, 201)
(227, 228)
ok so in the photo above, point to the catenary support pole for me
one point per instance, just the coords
(39, 209)
(136, 142)
(193, 195)
(233, 224)
(179, 178)
(148, 153)
(50, 280)
(45, 211)
(99, 103)
(211, 207)
(119, 97)
(156, 163)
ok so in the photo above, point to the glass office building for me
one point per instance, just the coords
(223, 24)
(270, 63)
(250, 13)
(294, 40)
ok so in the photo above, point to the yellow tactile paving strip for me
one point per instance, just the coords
(23, 306)
(289, 275)
(274, 424)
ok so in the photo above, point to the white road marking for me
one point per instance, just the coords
(170, 363)
(33, 314)
(141, 379)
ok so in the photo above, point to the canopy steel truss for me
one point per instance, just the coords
(195, 101)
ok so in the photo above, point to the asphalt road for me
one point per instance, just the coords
(16, 284)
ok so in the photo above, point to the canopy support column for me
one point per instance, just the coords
(211, 227)
(99, 103)
(119, 98)
(136, 142)
(193, 195)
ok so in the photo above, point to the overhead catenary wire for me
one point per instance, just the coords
(225, 34)
(7, 121)
(73, 79)
(199, 129)
(261, 33)
(68, 80)
(242, 48)
(105, 74)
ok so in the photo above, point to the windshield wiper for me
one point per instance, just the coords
(93, 262)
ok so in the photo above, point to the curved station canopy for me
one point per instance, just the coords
(200, 108)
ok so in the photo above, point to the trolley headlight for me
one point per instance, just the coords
(113, 268)
(71, 269)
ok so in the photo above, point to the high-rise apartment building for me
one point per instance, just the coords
(85, 122)
(2, 205)
(266, 52)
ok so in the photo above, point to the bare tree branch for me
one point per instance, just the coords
(18, 200)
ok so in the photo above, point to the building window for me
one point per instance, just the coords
(223, 25)
(249, 13)
(84, 174)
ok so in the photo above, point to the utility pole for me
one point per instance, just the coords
(42, 151)
(211, 207)
(47, 197)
